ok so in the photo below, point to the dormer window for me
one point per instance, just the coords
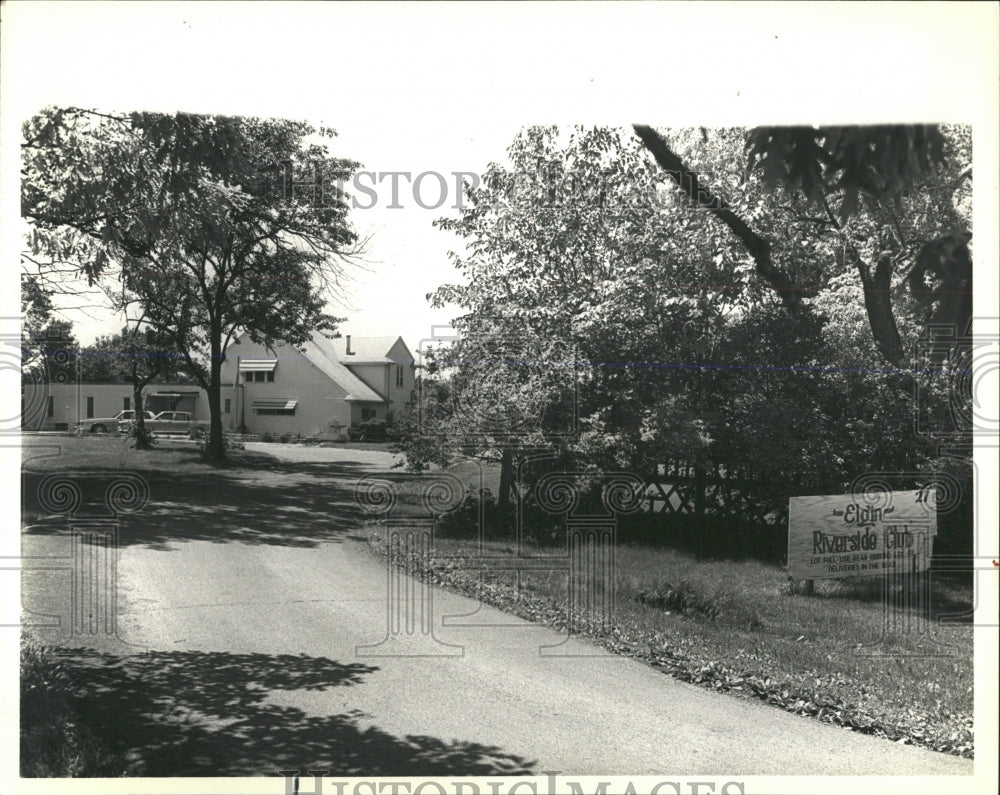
(258, 371)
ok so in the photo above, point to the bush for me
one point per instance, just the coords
(229, 442)
(370, 431)
(463, 521)
(54, 743)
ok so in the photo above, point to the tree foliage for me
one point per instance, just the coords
(191, 219)
(716, 313)
(882, 179)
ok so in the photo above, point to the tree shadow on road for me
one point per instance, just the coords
(193, 713)
(286, 504)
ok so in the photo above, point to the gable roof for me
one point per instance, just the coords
(367, 350)
(319, 350)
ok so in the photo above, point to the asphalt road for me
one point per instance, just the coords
(244, 660)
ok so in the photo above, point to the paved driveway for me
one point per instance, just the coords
(256, 626)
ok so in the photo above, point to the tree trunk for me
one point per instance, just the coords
(506, 490)
(141, 439)
(878, 305)
(215, 451)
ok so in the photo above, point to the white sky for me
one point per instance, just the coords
(444, 87)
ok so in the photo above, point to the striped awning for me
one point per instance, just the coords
(257, 365)
(275, 404)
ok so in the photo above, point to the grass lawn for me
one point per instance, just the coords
(98, 452)
(91, 460)
(734, 626)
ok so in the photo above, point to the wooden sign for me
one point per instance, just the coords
(851, 535)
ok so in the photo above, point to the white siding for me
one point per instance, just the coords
(320, 413)
(69, 402)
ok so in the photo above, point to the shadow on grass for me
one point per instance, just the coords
(198, 713)
(950, 598)
(279, 503)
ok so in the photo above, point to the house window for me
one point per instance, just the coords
(259, 377)
(126, 403)
(90, 407)
(282, 412)
(399, 375)
(51, 410)
(367, 414)
(227, 407)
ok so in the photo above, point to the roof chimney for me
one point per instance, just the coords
(349, 351)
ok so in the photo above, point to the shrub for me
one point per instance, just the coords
(370, 431)
(463, 521)
(54, 743)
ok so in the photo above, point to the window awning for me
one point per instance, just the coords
(258, 365)
(275, 404)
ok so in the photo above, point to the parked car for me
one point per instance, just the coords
(370, 431)
(180, 422)
(105, 424)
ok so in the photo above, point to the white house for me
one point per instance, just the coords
(317, 389)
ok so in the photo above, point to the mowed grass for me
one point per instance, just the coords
(736, 626)
(93, 452)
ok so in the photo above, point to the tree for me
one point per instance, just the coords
(565, 248)
(195, 221)
(140, 356)
(48, 345)
(850, 167)
(36, 308)
(683, 350)
(500, 392)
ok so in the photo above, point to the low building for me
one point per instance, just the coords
(60, 406)
(317, 389)
(314, 390)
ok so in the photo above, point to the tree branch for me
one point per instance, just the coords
(759, 248)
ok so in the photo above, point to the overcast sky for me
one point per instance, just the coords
(445, 88)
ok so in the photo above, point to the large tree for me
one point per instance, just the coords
(861, 183)
(683, 349)
(138, 354)
(197, 220)
(564, 248)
